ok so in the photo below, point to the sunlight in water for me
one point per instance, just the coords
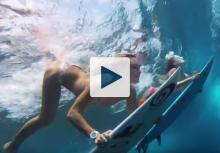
(215, 94)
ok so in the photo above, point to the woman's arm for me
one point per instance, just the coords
(184, 82)
(75, 115)
(77, 109)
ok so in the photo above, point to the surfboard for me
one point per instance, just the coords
(131, 129)
(179, 104)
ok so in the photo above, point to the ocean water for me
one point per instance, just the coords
(74, 31)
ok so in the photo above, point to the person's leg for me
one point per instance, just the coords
(50, 100)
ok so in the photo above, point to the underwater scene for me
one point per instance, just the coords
(35, 32)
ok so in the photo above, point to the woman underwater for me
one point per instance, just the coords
(76, 80)
(173, 62)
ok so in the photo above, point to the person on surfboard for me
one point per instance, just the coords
(75, 79)
(173, 62)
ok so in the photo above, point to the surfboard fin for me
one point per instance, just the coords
(158, 138)
(142, 145)
(142, 148)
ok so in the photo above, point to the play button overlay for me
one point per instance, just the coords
(109, 77)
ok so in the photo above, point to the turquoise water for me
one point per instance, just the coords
(190, 28)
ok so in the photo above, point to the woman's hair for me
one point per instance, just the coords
(170, 64)
(173, 60)
(138, 58)
(129, 55)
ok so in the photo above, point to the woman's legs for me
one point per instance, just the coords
(50, 100)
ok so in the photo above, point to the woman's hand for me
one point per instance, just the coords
(196, 75)
(103, 137)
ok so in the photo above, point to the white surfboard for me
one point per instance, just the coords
(132, 129)
(179, 104)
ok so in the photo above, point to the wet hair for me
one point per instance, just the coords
(173, 60)
(139, 58)
(129, 55)
(170, 64)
